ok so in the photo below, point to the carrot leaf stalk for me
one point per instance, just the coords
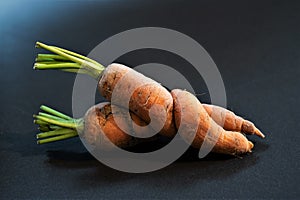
(68, 61)
(55, 126)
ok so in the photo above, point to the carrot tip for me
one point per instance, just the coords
(251, 145)
(259, 133)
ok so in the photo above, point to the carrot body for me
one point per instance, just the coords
(230, 121)
(100, 126)
(143, 98)
(227, 142)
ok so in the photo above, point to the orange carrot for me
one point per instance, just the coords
(227, 142)
(143, 98)
(231, 121)
(151, 96)
(96, 127)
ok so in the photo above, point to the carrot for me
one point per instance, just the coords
(227, 142)
(96, 127)
(143, 98)
(151, 96)
(231, 121)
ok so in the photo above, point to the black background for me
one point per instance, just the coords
(256, 46)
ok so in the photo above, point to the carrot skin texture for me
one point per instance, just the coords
(231, 121)
(100, 126)
(143, 98)
(227, 142)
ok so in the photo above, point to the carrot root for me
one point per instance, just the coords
(230, 121)
(249, 128)
(220, 140)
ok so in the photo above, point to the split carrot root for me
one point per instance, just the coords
(226, 142)
(230, 121)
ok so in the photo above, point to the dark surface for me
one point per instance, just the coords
(256, 46)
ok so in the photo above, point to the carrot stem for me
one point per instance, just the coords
(68, 60)
(56, 126)
(65, 123)
(79, 71)
(56, 66)
(57, 138)
(53, 127)
(50, 116)
(54, 112)
(56, 132)
(44, 128)
(59, 52)
(44, 57)
(78, 55)
(40, 122)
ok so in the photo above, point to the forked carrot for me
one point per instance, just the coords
(231, 121)
(226, 142)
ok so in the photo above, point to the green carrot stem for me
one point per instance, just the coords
(57, 66)
(79, 71)
(48, 62)
(78, 55)
(59, 52)
(68, 67)
(70, 55)
(94, 67)
(44, 128)
(61, 131)
(63, 123)
(42, 57)
(40, 122)
(75, 70)
(57, 138)
(54, 112)
(54, 127)
(51, 116)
